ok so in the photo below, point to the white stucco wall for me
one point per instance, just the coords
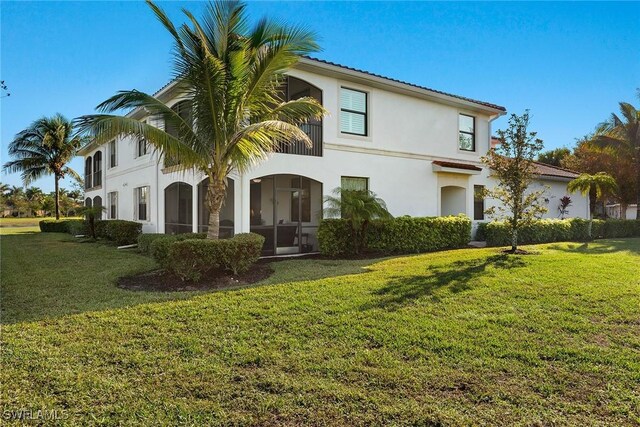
(406, 135)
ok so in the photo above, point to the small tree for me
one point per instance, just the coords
(359, 207)
(91, 213)
(563, 207)
(600, 185)
(512, 164)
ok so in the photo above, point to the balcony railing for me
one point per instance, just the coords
(314, 131)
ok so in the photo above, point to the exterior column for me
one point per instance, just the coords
(194, 202)
(242, 205)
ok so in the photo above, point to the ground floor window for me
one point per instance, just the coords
(141, 195)
(178, 208)
(478, 202)
(88, 202)
(113, 204)
(97, 203)
(354, 183)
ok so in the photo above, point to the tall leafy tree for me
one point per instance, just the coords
(359, 207)
(622, 133)
(233, 75)
(600, 184)
(554, 157)
(512, 164)
(45, 148)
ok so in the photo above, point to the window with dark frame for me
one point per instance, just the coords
(97, 169)
(113, 162)
(87, 172)
(142, 146)
(467, 133)
(142, 203)
(304, 213)
(478, 202)
(353, 112)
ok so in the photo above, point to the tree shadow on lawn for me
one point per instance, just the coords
(598, 247)
(458, 277)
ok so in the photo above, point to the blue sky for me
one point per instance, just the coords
(569, 63)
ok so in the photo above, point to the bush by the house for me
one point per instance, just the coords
(55, 226)
(557, 230)
(158, 246)
(77, 227)
(481, 231)
(192, 259)
(397, 235)
(120, 231)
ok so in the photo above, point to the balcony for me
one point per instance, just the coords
(292, 89)
(314, 131)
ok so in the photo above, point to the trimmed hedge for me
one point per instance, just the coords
(56, 226)
(119, 231)
(397, 235)
(159, 244)
(192, 259)
(557, 230)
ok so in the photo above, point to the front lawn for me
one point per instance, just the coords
(465, 337)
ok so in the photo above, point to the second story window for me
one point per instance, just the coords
(87, 172)
(113, 159)
(467, 133)
(353, 112)
(97, 168)
(142, 147)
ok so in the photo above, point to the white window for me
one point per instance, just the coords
(467, 133)
(113, 157)
(353, 112)
(113, 204)
(142, 203)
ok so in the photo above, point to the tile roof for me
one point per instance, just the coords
(456, 165)
(548, 170)
(475, 101)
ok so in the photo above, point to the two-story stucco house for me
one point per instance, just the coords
(419, 149)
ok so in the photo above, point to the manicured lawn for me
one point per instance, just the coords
(467, 337)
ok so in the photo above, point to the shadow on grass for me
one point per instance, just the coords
(597, 247)
(458, 276)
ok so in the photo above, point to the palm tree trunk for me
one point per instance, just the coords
(216, 192)
(57, 196)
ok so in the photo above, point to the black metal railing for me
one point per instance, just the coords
(314, 131)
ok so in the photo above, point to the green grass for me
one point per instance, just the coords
(26, 222)
(468, 337)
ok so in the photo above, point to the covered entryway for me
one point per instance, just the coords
(178, 208)
(286, 210)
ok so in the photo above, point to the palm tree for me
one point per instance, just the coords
(359, 207)
(233, 76)
(45, 148)
(623, 135)
(597, 185)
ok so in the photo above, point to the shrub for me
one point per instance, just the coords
(541, 231)
(119, 231)
(145, 240)
(481, 232)
(159, 244)
(621, 228)
(192, 259)
(77, 227)
(397, 235)
(55, 226)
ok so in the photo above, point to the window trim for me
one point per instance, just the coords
(366, 114)
(475, 200)
(110, 204)
(366, 178)
(473, 134)
(113, 153)
(136, 206)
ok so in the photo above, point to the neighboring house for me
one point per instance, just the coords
(614, 210)
(417, 148)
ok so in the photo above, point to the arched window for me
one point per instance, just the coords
(184, 110)
(87, 202)
(97, 168)
(87, 173)
(97, 202)
(178, 208)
